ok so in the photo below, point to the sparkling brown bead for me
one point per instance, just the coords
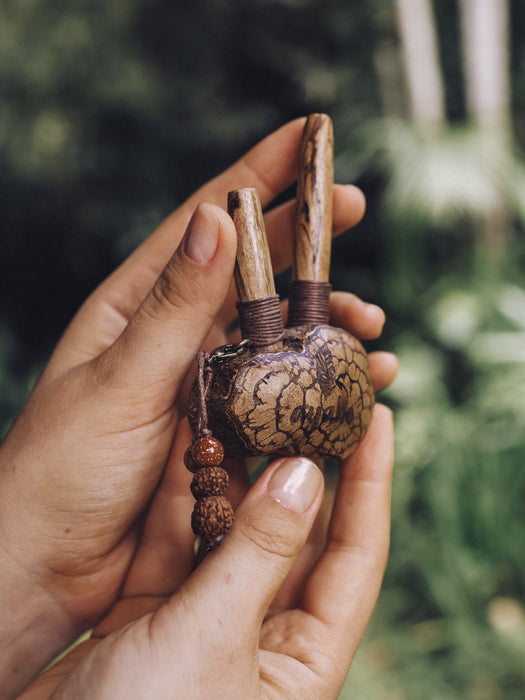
(207, 451)
(209, 481)
(212, 516)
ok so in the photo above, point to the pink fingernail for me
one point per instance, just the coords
(202, 235)
(295, 484)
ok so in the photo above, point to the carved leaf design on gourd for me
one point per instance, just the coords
(325, 368)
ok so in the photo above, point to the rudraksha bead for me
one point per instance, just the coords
(212, 518)
(209, 481)
(207, 451)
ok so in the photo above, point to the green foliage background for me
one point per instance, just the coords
(111, 113)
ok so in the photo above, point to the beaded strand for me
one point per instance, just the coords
(212, 515)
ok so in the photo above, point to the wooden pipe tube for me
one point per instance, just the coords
(313, 224)
(310, 287)
(253, 268)
(258, 306)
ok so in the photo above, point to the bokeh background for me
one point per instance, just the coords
(111, 113)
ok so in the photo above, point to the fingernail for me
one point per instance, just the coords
(202, 235)
(378, 312)
(372, 310)
(295, 484)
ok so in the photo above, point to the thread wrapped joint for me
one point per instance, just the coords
(309, 302)
(261, 321)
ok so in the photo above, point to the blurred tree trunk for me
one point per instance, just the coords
(419, 45)
(485, 40)
(484, 28)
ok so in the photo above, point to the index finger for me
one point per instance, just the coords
(270, 166)
(344, 586)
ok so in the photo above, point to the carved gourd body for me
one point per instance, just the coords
(310, 395)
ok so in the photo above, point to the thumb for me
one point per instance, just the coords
(152, 355)
(271, 526)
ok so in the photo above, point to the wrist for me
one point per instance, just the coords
(34, 626)
(33, 633)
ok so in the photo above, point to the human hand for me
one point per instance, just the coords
(219, 635)
(79, 467)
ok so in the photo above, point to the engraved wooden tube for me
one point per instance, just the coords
(310, 287)
(253, 268)
(258, 306)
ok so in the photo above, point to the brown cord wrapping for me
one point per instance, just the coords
(204, 375)
(309, 302)
(261, 320)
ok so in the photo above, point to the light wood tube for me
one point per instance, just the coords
(253, 268)
(313, 223)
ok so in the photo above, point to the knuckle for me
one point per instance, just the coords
(101, 369)
(165, 292)
(173, 291)
(271, 535)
